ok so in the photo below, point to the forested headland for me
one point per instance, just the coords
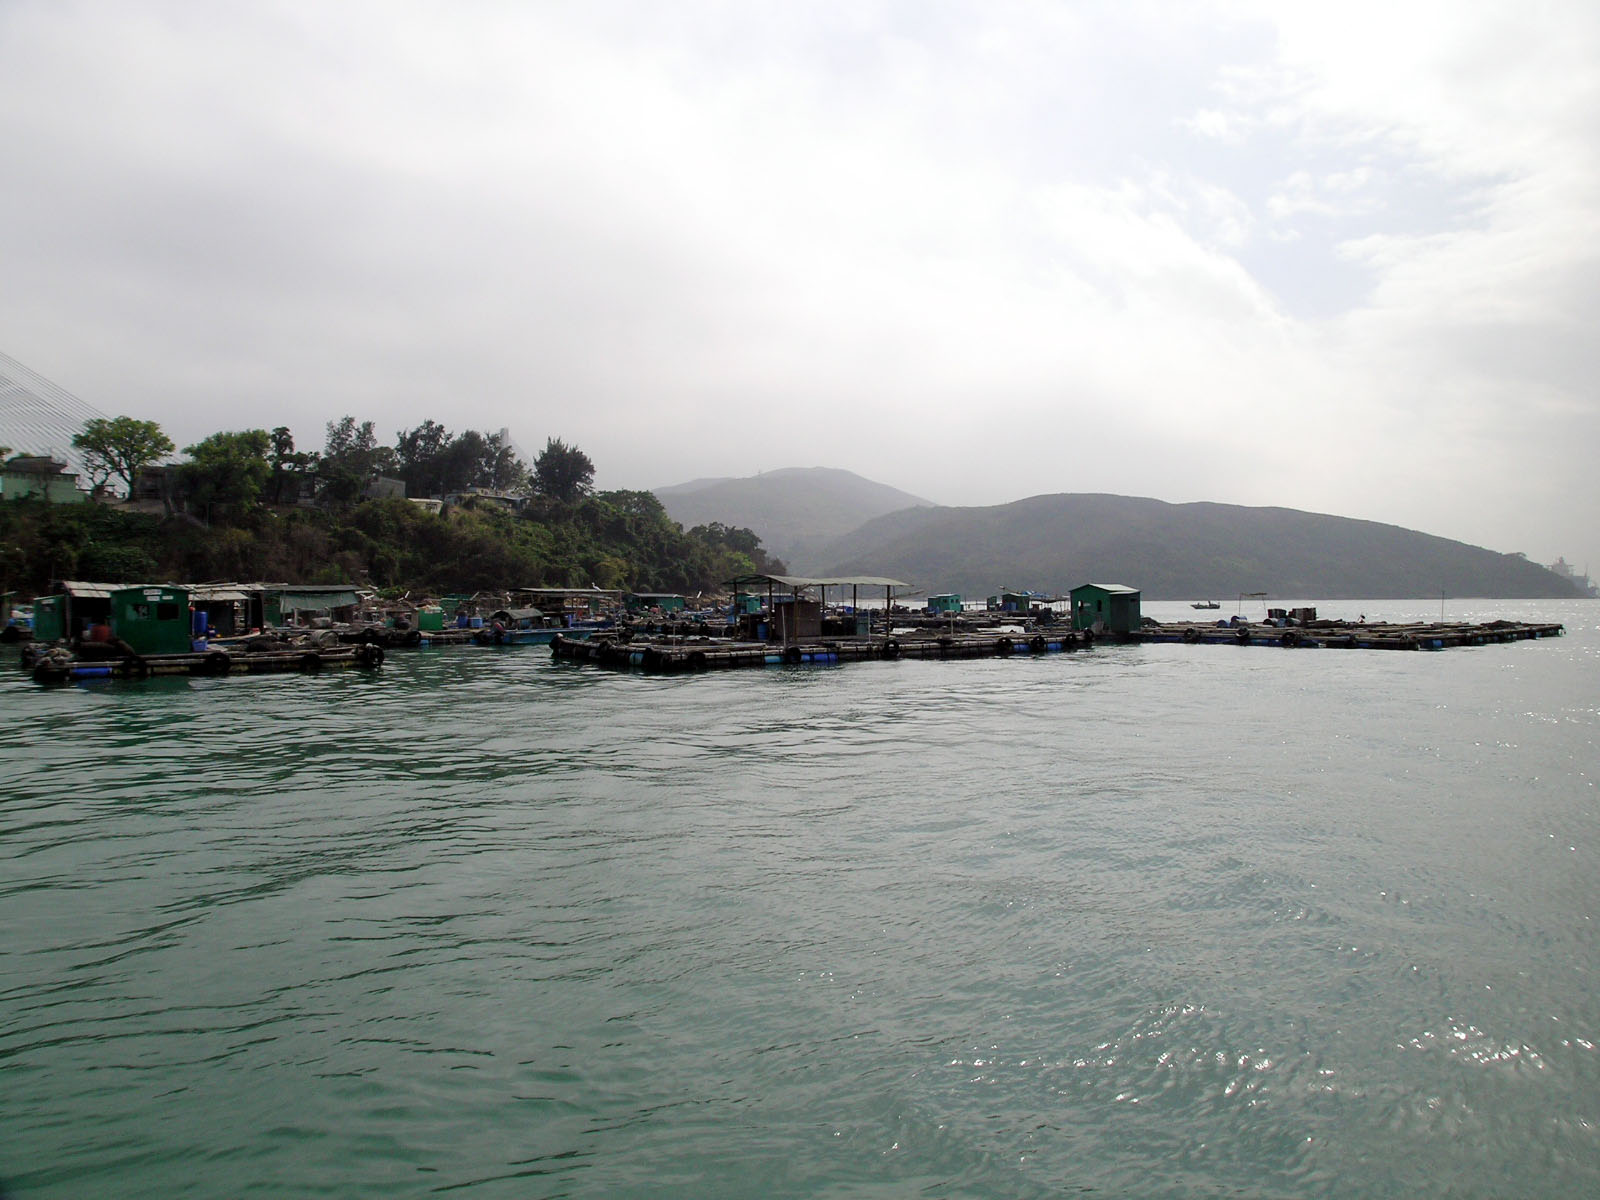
(250, 506)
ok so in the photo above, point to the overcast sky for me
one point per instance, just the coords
(1340, 258)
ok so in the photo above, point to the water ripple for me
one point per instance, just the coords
(1144, 921)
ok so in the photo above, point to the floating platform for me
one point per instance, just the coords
(443, 637)
(1343, 635)
(708, 654)
(672, 655)
(215, 662)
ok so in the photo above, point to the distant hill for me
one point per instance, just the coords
(795, 511)
(1175, 551)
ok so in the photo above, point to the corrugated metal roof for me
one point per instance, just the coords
(863, 581)
(308, 589)
(90, 591)
(518, 614)
(573, 591)
(1117, 588)
(800, 581)
(314, 599)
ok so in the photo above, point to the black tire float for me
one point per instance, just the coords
(50, 670)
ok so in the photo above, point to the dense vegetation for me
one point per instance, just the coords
(228, 521)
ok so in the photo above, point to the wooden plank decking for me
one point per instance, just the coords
(666, 655)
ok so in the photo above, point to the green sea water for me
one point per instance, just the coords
(1143, 921)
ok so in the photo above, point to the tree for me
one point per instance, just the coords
(463, 462)
(562, 472)
(351, 459)
(433, 462)
(227, 471)
(504, 471)
(117, 564)
(286, 461)
(738, 541)
(119, 446)
(421, 452)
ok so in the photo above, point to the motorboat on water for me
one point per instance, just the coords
(1205, 604)
(529, 627)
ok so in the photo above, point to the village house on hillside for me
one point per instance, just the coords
(41, 476)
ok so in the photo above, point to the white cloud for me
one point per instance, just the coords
(1246, 252)
(1215, 123)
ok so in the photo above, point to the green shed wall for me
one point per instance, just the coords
(152, 620)
(1119, 610)
(49, 618)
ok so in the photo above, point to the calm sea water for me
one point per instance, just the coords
(1145, 921)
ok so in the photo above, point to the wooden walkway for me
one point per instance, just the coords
(669, 655)
(708, 654)
(1348, 636)
(61, 668)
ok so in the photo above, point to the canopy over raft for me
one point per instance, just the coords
(798, 583)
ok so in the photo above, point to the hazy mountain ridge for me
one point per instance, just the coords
(1177, 551)
(796, 511)
(694, 485)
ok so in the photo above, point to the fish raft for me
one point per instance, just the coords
(666, 656)
(62, 667)
(671, 655)
(1348, 635)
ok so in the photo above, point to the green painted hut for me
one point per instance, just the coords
(77, 606)
(1108, 606)
(152, 620)
(50, 618)
(295, 603)
(1012, 600)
